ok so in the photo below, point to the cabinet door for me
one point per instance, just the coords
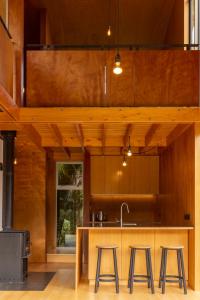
(97, 175)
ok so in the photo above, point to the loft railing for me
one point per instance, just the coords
(114, 46)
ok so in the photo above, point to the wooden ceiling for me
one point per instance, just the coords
(100, 138)
(86, 21)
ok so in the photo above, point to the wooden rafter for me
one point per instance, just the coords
(33, 135)
(150, 134)
(176, 132)
(56, 134)
(67, 151)
(104, 115)
(80, 135)
(128, 132)
(103, 138)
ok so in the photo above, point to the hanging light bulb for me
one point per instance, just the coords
(117, 66)
(129, 151)
(109, 32)
(124, 163)
(15, 161)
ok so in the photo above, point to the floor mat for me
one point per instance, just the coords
(36, 281)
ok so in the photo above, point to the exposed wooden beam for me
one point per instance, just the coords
(80, 134)
(176, 132)
(151, 132)
(124, 115)
(33, 135)
(56, 134)
(103, 138)
(128, 132)
(67, 151)
(8, 105)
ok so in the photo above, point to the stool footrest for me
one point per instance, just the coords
(141, 276)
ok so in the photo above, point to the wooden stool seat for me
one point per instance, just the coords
(181, 270)
(140, 278)
(107, 277)
(106, 246)
(140, 247)
(172, 247)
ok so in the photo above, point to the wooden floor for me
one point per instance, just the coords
(61, 287)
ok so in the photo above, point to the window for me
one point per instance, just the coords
(194, 22)
(69, 202)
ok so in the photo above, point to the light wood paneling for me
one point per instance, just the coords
(100, 237)
(172, 238)
(108, 176)
(149, 78)
(177, 180)
(131, 238)
(125, 237)
(29, 197)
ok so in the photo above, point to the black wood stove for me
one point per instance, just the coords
(14, 244)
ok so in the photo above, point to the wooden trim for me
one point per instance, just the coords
(103, 138)
(57, 134)
(114, 115)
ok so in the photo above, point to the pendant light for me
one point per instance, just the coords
(129, 151)
(124, 163)
(117, 69)
(109, 31)
(117, 66)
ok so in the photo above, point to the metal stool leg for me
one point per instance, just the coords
(132, 271)
(98, 270)
(161, 268)
(130, 267)
(150, 270)
(179, 269)
(116, 271)
(183, 271)
(164, 271)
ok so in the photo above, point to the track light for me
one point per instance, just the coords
(117, 66)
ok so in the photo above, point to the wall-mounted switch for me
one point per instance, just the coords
(187, 217)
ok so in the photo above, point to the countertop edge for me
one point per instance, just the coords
(136, 228)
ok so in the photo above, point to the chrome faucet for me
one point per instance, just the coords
(121, 215)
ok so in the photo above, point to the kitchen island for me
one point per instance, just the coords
(123, 237)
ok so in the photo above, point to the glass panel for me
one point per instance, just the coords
(69, 215)
(70, 176)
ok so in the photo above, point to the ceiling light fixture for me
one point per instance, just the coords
(117, 69)
(124, 163)
(109, 32)
(129, 151)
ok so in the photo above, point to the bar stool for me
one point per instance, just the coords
(181, 271)
(147, 278)
(107, 277)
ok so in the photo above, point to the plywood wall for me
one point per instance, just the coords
(149, 78)
(140, 176)
(177, 180)
(30, 198)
